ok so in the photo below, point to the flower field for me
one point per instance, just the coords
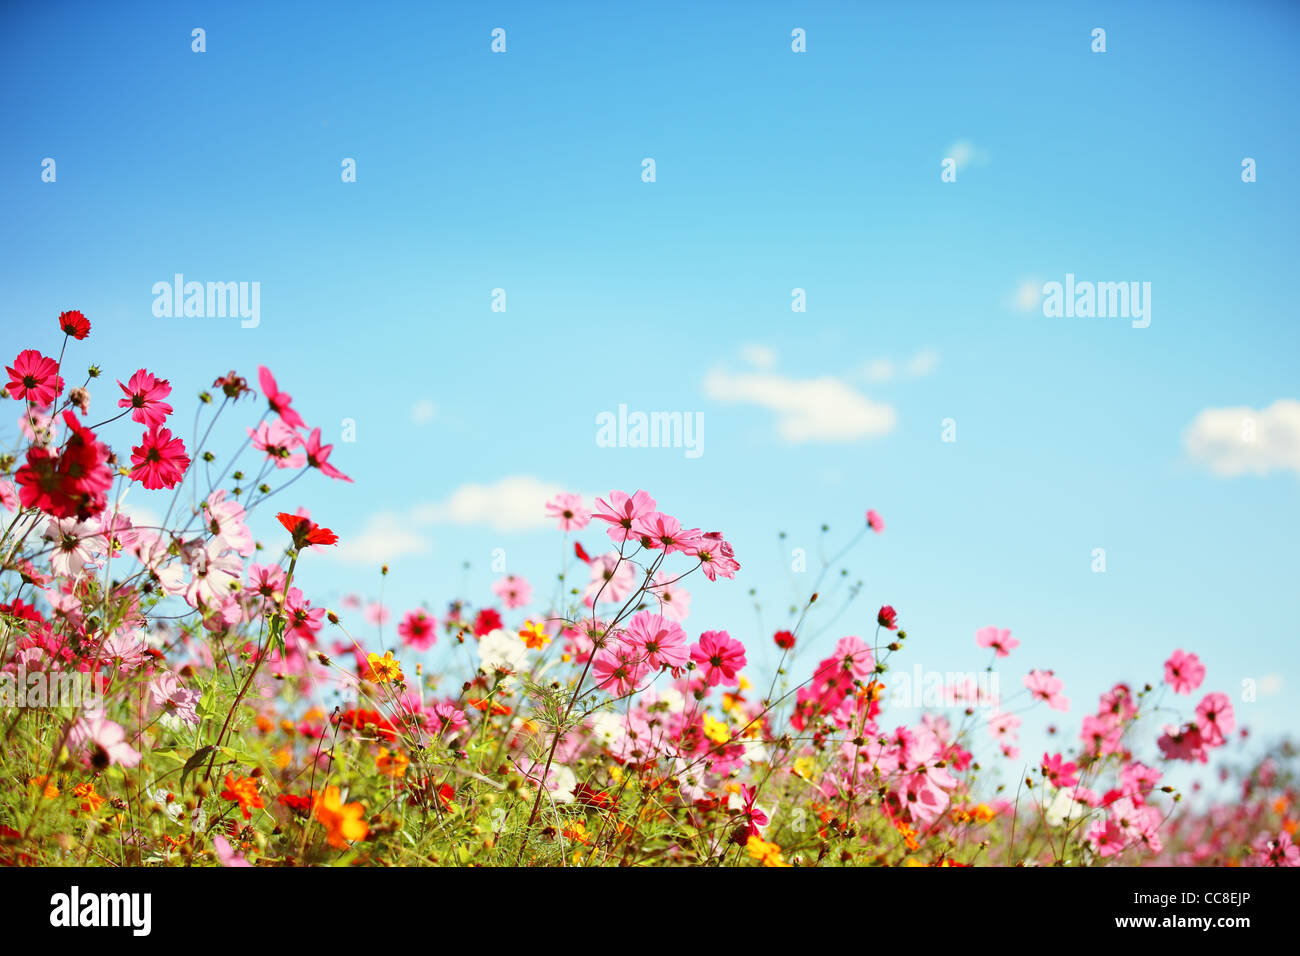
(175, 694)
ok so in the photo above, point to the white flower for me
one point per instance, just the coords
(1064, 809)
(501, 651)
(607, 727)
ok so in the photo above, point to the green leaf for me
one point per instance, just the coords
(195, 761)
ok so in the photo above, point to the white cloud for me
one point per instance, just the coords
(886, 370)
(1269, 685)
(1242, 440)
(879, 370)
(966, 153)
(516, 503)
(1028, 295)
(812, 409)
(759, 356)
(922, 363)
(422, 412)
(385, 537)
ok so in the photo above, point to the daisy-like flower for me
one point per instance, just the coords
(105, 741)
(225, 521)
(618, 669)
(35, 378)
(658, 530)
(661, 642)
(998, 638)
(383, 670)
(278, 440)
(75, 324)
(568, 510)
(513, 591)
(1046, 686)
(144, 396)
(534, 635)
(501, 652)
(719, 657)
(159, 461)
(418, 630)
(874, 521)
(1184, 672)
(343, 822)
(242, 790)
(622, 511)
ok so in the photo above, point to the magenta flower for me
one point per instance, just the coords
(105, 740)
(658, 530)
(617, 670)
(278, 440)
(418, 630)
(874, 521)
(1059, 773)
(318, 456)
(278, 400)
(1215, 719)
(34, 377)
(660, 642)
(159, 461)
(1184, 672)
(716, 557)
(144, 396)
(622, 511)
(719, 657)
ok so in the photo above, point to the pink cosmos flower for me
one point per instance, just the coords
(278, 440)
(305, 621)
(418, 630)
(660, 642)
(852, 657)
(214, 575)
(874, 521)
(1046, 686)
(159, 461)
(622, 511)
(35, 378)
(658, 530)
(568, 509)
(719, 657)
(449, 720)
(278, 400)
(267, 582)
(377, 614)
(1275, 851)
(674, 600)
(1184, 672)
(617, 670)
(1003, 726)
(1059, 773)
(1185, 744)
(612, 579)
(76, 545)
(755, 817)
(999, 639)
(105, 740)
(318, 456)
(716, 556)
(169, 695)
(226, 855)
(144, 396)
(8, 495)
(513, 591)
(1215, 719)
(225, 521)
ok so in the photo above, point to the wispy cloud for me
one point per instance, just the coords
(423, 412)
(886, 370)
(1242, 440)
(965, 153)
(811, 409)
(515, 503)
(386, 536)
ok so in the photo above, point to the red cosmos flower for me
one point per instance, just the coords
(318, 457)
(888, 618)
(233, 385)
(581, 552)
(279, 401)
(305, 531)
(71, 483)
(75, 324)
(784, 640)
(35, 377)
(144, 396)
(159, 460)
(486, 621)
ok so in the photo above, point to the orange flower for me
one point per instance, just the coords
(381, 670)
(243, 790)
(483, 703)
(534, 635)
(768, 853)
(392, 763)
(51, 791)
(342, 821)
(90, 800)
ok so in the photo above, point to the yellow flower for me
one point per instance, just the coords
(983, 813)
(716, 730)
(283, 757)
(805, 767)
(768, 853)
(383, 669)
(342, 821)
(912, 861)
(909, 835)
(534, 635)
(392, 763)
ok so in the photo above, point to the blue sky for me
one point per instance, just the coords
(774, 171)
